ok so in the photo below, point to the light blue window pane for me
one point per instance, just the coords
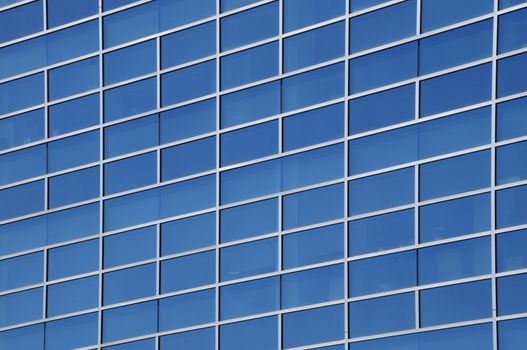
(188, 121)
(73, 115)
(188, 234)
(249, 26)
(64, 11)
(21, 271)
(74, 259)
(454, 260)
(131, 24)
(24, 199)
(189, 158)
(132, 283)
(188, 83)
(250, 104)
(312, 127)
(512, 335)
(130, 173)
(398, 22)
(20, 307)
(25, 338)
(250, 298)
(73, 151)
(72, 296)
(84, 219)
(302, 13)
(382, 68)
(199, 42)
(313, 326)
(440, 13)
(130, 62)
(129, 247)
(131, 210)
(22, 129)
(511, 31)
(371, 234)
(509, 3)
(304, 89)
(511, 166)
(314, 206)
(21, 93)
(454, 175)
(511, 250)
(188, 272)
(382, 315)
(22, 164)
(147, 344)
(21, 21)
(248, 259)
(228, 5)
(71, 333)
(459, 89)
(258, 334)
(511, 204)
(143, 132)
(381, 109)
(510, 71)
(130, 99)
(313, 286)
(313, 246)
(201, 339)
(383, 273)
(248, 66)
(187, 310)
(73, 42)
(511, 290)
(249, 143)
(249, 220)
(382, 191)
(73, 187)
(129, 321)
(23, 57)
(313, 47)
(176, 13)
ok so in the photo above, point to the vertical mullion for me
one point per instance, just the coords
(346, 170)
(101, 176)
(218, 164)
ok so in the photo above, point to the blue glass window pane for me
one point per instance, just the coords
(201, 339)
(249, 143)
(187, 310)
(312, 246)
(249, 26)
(129, 247)
(22, 129)
(20, 307)
(314, 206)
(25, 338)
(249, 298)
(312, 127)
(21, 21)
(130, 62)
(23, 57)
(249, 259)
(454, 260)
(249, 220)
(64, 11)
(313, 47)
(228, 5)
(512, 335)
(188, 272)
(147, 344)
(199, 42)
(511, 31)
(250, 104)
(382, 191)
(383, 273)
(398, 22)
(304, 89)
(23, 199)
(382, 68)
(73, 332)
(440, 13)
(21, 271)
(73, 42)
(382, 109)
(176, 13)
(302, 13)
(511, 165)
(370, 235)
(72, 296)
(84, 219)
(130, 173)
(132, 283)
(73, 151)
(22, 164)
(21, 93)
(510, 73)
(74, 259)
(129, 321)
(510, 119)
(188, 121)
(258, 334)
(118, 138)
(510, 206)
(113, 4)
(511, 290)
(73, 187)
(189, 158)
(382, 315)
(459, 89)
(130, 99)
(509, 3)
(73, 115)
(313, 326)
(188, 234)
(312, 286)
(188, 83)
(511, 250)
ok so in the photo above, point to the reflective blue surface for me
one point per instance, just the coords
(302, 13)
(259, 334)
(187, 121)
(73, 115)
(72, 296)
(22, 93)
(188, 272)
(248, 259)
(187, 310)
(439, 13)
(512, 334)
(188, 83)
(131, 246)
(510, 291)
(201, 339)
(20, 307)
(509, 72)
(511, 166)
(22, 129)
(248, 298)
(189, 158)
(73, 187)
(129, 321)
(130, 173)
(130, 99)
(511, 252)
(144, 132)
(64, 11)
(510, 204)
(130, 62)
(73, 332)
(21, 271)
(511, 31)
(73, 151)
(188, 234)
(73, 259)
(510, 119)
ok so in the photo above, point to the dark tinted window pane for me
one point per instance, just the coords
(511, 250)
(73, 259)
(511, 31)
(73, 332)
(131, 246)
(189, 158)
(129, 321)
(188, 121)
(130, 62)
(254, 297)
(21, 271)
(130, 173)
(73, 151)
(24, 199)
(188, 83)
(188, 234)
(187, 310)
(118, 138)
(73, 115)
(132, 283)
(64, 11)
(511, 165)
(21, 93)
(248, 259)
(130, 99)
(510, 71)
(510, 206)
(439, 13)
(259, 334)
(22, 129)
(74, 187)
(72, 296)
(511, 290)
(302, 13)
(188, 272)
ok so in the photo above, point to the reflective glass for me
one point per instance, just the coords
(73, 42)
(440, 13)
(509, 3)
(25, 338)
(21, 271)
(85, 219)
(74, 259)
(510, 71)
(72, 296)
(249, 298)
(23, 199)
(147, 344)
(21, 21)
(73, 187)
(188, 234)
(73, 151)
(129, 247)
(132, 283)
(130, 173)
(258, 334)
(512, 335)
(228, 5)
(20, 307)
(510, 119)
(303, 13)
(189, 158)
(511, 165)
(188, 272)
(143, 132)
(201, 339)
(22, 164)
(130, 62)
(127, 100)
(511, 250)
(129, 321)
(22, 129)
(510, 204)
(248, 259)
(511, 31)
(187, 121)
(21, 93)
(71, 333)
(64, 11)
(511, 290)
(180, 12)
(73, 115)
(188, 83)
(187, 310)
(363, 4)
